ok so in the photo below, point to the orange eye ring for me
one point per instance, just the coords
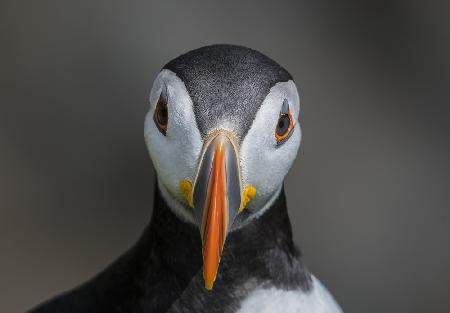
(284, 128)
(161, 115)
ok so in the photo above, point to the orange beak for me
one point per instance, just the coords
(214, 225)
(217, 198)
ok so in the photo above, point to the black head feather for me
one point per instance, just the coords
(227, 83)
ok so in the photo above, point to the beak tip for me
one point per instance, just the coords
(209, 278)
(209, 285)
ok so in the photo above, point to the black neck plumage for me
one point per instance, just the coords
(162, 272)
(262, 251)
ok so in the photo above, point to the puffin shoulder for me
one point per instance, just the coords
(268, 300)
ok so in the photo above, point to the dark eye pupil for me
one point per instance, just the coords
(283, 124)
(162, 115)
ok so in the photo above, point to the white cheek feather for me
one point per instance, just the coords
(271, 300)
(264, 164)
(174, 155)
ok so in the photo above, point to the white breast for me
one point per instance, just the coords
(269, 300)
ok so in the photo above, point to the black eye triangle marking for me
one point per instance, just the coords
(164, 94)
(285, 107)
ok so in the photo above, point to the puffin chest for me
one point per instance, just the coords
(272, 299)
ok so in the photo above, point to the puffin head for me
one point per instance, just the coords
(222, 131)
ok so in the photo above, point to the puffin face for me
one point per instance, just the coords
(222, 131)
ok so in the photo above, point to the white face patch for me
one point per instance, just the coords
(264, 163)
(175, 155)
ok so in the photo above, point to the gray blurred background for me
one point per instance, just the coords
(370, 186)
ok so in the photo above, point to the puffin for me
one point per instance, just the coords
(222, 131)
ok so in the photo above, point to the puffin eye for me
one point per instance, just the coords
(161, 115)
(285, 124)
